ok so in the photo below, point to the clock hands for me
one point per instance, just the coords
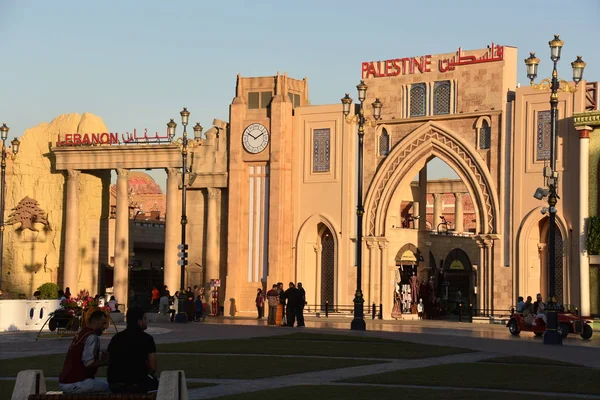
(255, 137)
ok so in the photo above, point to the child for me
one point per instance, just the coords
(420, 309)
(199, 309)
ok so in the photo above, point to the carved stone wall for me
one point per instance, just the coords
(32, 258)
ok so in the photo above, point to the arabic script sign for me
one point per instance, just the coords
(105, 138)
(414, 65)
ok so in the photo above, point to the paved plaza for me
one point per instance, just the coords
(484, 341)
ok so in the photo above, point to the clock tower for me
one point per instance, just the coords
(260, 237)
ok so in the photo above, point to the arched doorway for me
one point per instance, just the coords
(327, 265)
(459, 276)
(559, 275)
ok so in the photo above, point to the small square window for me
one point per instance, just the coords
(253, 100)
(265, 99)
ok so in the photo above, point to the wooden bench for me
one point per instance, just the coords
(92, 396)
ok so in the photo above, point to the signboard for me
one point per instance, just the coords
(422, 64)
(408, 255)
(106, 138)
(457, 264)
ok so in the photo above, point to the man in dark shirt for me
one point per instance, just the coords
(132, 357)
(301, 304)
(291, 296)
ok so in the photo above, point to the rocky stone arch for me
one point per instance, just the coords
(428, 141)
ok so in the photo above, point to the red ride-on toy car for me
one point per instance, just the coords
(567, 323)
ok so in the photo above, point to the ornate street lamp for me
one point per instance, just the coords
(183, 144)
(358, 322)
(552, 336)
(15, 149)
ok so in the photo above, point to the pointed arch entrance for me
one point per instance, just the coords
(327, 260)
(459, 276)
(318, 260)
(532, 257)
(408, 157)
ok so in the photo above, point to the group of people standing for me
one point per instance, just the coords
(291, 300)
(194, 303)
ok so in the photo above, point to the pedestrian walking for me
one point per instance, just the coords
(260, 303)
(272, 300)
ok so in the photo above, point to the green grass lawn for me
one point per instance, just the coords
(7, 386)
(495, 376)
(528, 361)
(336, 392)
(302, 344)
(202, 366)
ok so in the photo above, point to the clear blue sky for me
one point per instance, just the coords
(137, 63)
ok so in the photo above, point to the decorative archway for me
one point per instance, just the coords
(534, 230)
(312, 247)
(428, 141)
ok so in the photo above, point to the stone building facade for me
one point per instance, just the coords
(271, 196)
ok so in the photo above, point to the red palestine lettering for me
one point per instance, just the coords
(398, 66)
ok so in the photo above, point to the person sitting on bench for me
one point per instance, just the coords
(83, 359)
(132, 357)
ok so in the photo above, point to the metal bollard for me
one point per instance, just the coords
(373, 311)
(326, 309)
(380, 311)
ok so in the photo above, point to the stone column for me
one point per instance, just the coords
(121, 274)
(481, 277)
(318, 249)
(172, 232)
(437, 210)
(458, 213)
(212, 237)
(416, 213)
(381, 273)
(423, 199)
(71, 264)
(584, 193)
(371, 275)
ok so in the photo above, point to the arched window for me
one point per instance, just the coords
(417, 100)
(327, 267)
(485, 135)
(441, 98)
(384, 143)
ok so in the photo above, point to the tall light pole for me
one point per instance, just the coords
(183, 144)
(15, 149)
(358, 322)
(552, 336)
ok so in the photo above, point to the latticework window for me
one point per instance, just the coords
(558, 270)
(418, 98)
(485, 136)
(327, 267)
(384, 143)
(321, 150)
(441, 98)
(543, 135)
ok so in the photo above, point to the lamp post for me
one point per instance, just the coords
(15, 149)
(358, 322)
(552, 336)
(183, 144)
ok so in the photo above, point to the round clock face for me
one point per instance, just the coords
(255, 138)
